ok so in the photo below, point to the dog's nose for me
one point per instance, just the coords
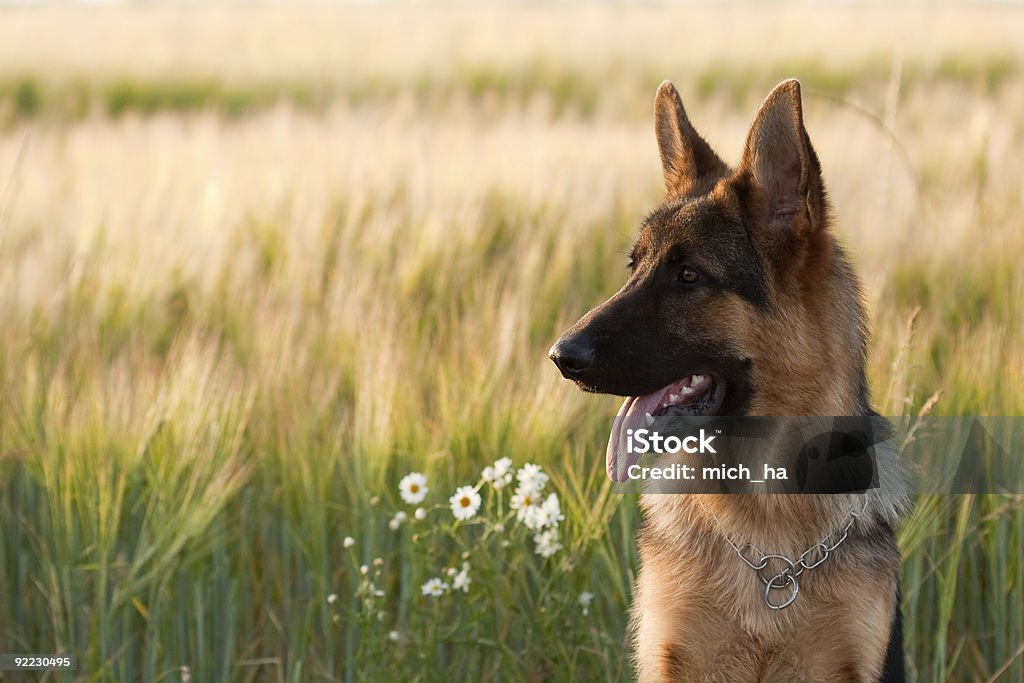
(572, 355)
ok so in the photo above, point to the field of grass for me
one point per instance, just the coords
(259, 263)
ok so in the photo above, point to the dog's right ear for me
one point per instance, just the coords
(686, 159)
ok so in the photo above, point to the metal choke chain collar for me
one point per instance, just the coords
(786, 578)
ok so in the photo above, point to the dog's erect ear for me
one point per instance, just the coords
(779, 158)
(687, 160)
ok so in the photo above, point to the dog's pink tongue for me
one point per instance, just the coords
(632, 415)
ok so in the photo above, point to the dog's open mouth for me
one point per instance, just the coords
(693, 396)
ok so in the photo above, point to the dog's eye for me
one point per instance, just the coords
(688, 276)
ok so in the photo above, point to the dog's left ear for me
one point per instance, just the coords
(778, 157)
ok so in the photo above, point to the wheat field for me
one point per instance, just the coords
(259, 262)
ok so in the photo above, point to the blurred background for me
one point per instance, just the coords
(258, 261)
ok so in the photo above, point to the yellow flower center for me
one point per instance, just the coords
(464, 501)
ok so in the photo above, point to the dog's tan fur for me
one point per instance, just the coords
(699, 613)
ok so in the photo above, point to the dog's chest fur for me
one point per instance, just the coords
(700, 614)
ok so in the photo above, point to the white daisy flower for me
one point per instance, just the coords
(534, 517)
(393, 636)
(364, 570)
(524, 497)
(503, 467)
(500, 474)
(348, 542)
(462, 580)
(531, 477)
(539, 515)
(413, 488)
(547, 543)
(434, 587)
(332, 598)
(465, 502)
(526, 501)
(420, 514)
(585, 599)
(552, 510)
(397, 520)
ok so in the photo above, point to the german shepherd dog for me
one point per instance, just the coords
(741, 302)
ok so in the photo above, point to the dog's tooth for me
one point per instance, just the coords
(687, 391)
(673, 397)
(649, 418)
(696, 379)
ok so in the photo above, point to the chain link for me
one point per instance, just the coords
(813, 557)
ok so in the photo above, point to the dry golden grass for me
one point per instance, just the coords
(400, 41)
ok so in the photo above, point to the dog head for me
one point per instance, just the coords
(738, 299)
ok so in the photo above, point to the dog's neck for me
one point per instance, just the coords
(814, 373)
